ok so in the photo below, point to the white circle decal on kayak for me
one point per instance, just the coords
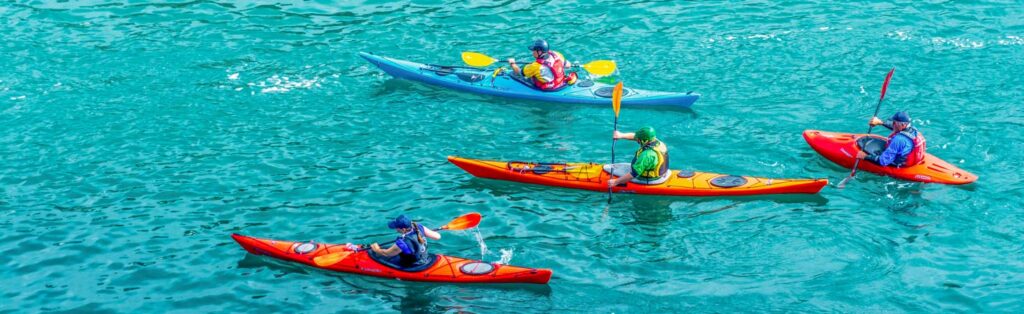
(476, 268)
(305, 248)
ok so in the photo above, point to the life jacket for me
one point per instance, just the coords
(555, 62)
(916, 154)
(419, 250)
(662, 168)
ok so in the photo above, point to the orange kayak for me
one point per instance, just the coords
(591, 176)
(443, 269)
(841, 148)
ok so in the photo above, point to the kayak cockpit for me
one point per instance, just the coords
(622, 169)
(871, 145)
(524, 81)
(392, 262)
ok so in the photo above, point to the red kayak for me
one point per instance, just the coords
(442, 269)
(841, 148)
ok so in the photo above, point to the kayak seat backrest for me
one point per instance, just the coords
(663, 179)
(618, 170)
(871, 145)
(391, 262)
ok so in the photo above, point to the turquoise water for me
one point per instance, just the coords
(137, 137)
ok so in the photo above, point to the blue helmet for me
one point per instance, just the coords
(400, 222)
(901, 116)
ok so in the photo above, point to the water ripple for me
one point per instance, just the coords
(138, 136)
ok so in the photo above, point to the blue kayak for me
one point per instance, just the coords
(476, 80)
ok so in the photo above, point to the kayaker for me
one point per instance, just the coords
(410, 249)
(905, 147)
(650, 162)
(547, 72)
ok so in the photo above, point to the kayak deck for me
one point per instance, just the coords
(842, 148)
(592, 177)
(482, 81)
(445, 268)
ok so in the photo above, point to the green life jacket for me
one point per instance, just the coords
(662, 167)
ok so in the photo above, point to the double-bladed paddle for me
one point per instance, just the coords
(463, 222)
(599, 67)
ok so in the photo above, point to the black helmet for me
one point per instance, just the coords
(539, 44)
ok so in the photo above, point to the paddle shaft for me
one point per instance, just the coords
(577, 66)
(870, 127)
(395, 240)
(613, 139)
(470, 220)
(597, 67)
(857, 162)
(613, 157)
(616, 106)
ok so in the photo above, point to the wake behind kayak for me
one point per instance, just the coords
(480, 81)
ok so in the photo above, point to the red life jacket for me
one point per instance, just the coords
(555, 62)
(916, 155)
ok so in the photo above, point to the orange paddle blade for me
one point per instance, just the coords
(617, 98)
(331, 259)
(466, 221)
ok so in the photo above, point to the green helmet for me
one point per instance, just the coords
(645, 134)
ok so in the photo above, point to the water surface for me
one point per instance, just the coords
(137, 137)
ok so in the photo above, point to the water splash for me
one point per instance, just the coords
(506, 256)
(900, 35)
(962, 43)
(1011, 40)
(480, 241)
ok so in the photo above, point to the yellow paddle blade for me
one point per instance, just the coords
(617, 98)
(466, 221)
(600, 67)
(477, 59)
(331, 259)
